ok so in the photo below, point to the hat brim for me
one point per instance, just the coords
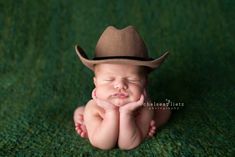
(150, 63)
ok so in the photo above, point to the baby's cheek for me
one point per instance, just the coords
(136, 94)
(100, 93)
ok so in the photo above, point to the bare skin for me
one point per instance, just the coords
(116, 114)
(160, 118)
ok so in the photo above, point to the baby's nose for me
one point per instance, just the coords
(120, 84)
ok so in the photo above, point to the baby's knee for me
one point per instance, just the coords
(129, 147)
(102, 145)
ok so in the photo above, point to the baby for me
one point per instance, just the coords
(116, 114)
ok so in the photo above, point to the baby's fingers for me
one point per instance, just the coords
(140, 102)
(132, 106)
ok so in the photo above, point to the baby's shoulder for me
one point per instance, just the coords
(92, 107)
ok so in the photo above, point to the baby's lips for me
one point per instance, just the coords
(121, 94)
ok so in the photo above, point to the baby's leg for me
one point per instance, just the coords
(161, 117)
(78, 120)
(145, 122)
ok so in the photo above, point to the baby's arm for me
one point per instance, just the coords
(102, 133)
(130, 133)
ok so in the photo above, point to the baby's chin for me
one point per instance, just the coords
(121, 102)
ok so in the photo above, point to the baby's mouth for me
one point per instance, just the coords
(120, 95)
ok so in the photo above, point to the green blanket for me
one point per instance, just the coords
(42, 80)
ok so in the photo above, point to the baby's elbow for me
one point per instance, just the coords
(101, 144)
(128, 147)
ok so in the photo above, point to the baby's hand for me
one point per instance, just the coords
(130, 107)
(102, 103)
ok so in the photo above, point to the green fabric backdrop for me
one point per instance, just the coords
(42, 80)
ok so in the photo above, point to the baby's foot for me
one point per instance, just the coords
(78, 120)
(152, 129)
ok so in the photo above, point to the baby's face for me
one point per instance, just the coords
(119, 84)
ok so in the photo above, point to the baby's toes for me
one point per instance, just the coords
(78, 127)
(152, 131)
(153, 128)
(152, 123)
(84, 134)
(83, 128)
(79, 131)
(150, 134)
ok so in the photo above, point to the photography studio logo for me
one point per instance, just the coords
(167, 105)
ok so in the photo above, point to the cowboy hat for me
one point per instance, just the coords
(122, 46)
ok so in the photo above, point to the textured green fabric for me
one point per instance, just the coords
(42, 80)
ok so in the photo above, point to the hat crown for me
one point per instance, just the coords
(123, 42)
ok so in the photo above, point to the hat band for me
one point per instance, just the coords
(124, 57)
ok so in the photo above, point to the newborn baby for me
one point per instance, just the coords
(116, 114)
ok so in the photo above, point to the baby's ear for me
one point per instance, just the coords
(94, 80)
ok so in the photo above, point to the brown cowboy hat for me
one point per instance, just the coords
(123, 46)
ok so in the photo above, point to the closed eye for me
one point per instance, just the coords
(109, 79)
(133, 80)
